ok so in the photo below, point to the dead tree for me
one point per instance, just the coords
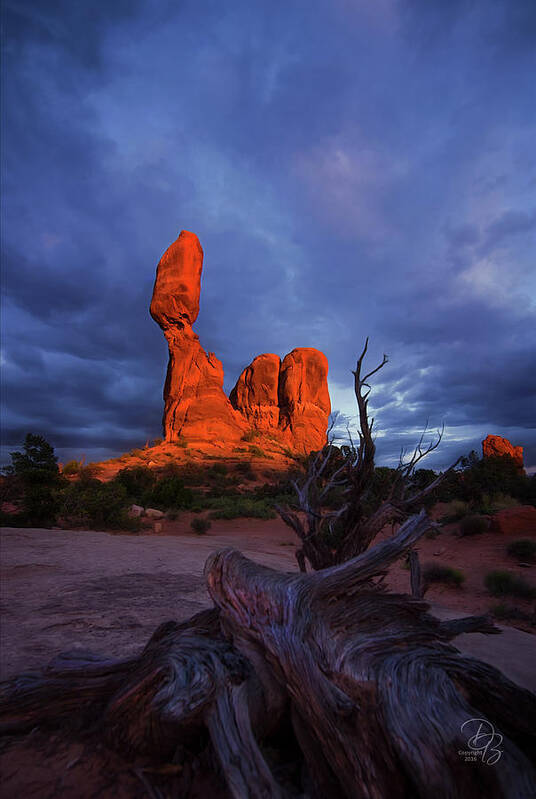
(320, 686)
(331, 536)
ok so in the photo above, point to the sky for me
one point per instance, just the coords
(351, 168)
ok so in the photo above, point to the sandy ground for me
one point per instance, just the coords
(63, 589)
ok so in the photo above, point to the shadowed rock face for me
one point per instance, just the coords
(289, 400)
(497, 446)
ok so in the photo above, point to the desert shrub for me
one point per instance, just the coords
(480, 479)
(454, 510)
(238, 506)
(138, 482)
(524, 549)
(91, 471)
(439, 573)
(191, 474)
(250, 436)
(157, 442)
(181, 442)
(100, 506)
(474, 525)
(258, 451)
(492, 503)
(502, 583)
(200, 526)
(72, 467)
(170, 492)
(137, 453)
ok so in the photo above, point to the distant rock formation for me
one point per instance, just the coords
(493, 446)
(289, 400)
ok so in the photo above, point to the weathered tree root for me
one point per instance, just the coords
(377, 696)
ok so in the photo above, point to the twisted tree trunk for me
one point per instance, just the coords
(319, 685)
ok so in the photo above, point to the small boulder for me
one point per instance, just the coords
(135, 511)
(520, 520)
(153, 513)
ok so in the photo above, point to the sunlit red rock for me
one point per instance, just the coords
(194, 401)
(520, 520)
(177, 286)
(304, 404)
(494, 446)
(289, 401)
(255, 394)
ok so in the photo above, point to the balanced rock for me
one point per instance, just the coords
(494, 446)
(177, 286)
(194, 401)
(288, 401)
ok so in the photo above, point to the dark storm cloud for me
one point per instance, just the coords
(351, 169)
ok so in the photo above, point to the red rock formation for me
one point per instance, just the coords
(304, 404)
(255, 394)
(494, 446)
(195, 403)
(515, 521)
(290, 399)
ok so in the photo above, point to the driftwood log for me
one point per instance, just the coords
(308, 685)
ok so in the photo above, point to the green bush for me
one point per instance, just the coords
(100, 506)
(250, 436)
(258, 451)
(524, 550)
(439, 573)
(492, 503)
(137, 453)
(234, 507)
(71, 468)
(170, 492)
(502, 583)
(474, 525)
(479, 480)
(200, 526)
(138, 482)
(454, 510)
